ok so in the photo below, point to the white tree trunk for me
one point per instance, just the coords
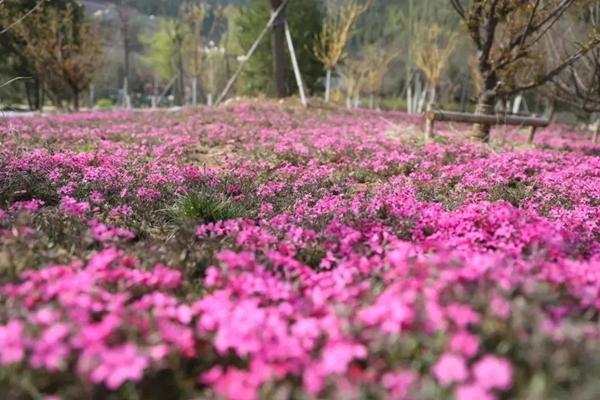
(422, 98)
(195, 91)
(328, 86)
(417, 95)
(409, 99)
(126, 98)
(295, 66)
(517, 104)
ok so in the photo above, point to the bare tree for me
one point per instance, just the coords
(376, 62)
(64, 50)
(331, 41)
(432, 47)
(353, 73)
(507, 33)
(579, 85)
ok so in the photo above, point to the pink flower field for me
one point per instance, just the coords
(263, 251)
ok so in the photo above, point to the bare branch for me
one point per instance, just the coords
(18, 78)
(19, 20)
(458, 7)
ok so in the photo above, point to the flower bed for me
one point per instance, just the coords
(264, 251)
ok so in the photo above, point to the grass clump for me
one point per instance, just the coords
(204, 207)
(514, 192)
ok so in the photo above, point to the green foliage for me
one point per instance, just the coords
(312, 255)
(161, 49)
(515, 192)
(304, 18)
(205, 207)
(104, 103)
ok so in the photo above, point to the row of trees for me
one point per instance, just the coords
(188, 48)
(55, 50)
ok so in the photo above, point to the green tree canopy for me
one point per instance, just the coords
(304, 18)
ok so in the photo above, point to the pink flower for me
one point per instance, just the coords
(122, 210)
(51, 350)
(492, 372)
(464, 343)
(96, 197)
(11, 342)
(74, 208)
(500, 307)
(237, 384)
(398, 383)
(450, 368)
(337, 356)
(3, 214)
(103, 259)
(30, 205)
(472, 392)
(102, 232)
(118, 365)
(148, 194)
(462, 315)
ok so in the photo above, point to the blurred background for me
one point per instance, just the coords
(385, 54)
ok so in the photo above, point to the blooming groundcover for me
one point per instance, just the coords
(259, 250)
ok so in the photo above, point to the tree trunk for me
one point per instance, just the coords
(596, 131)
(126, 102)
(463, 98)
(516, 107)
(278, 43)
(92, 96)
(550, 109)
(126, 51)
(75, 100)
(428, 129)
(180, 88)
(485, 106)
(422, 98)
(155, 92)
(531, 137)
(409, 98)
(41, 96)
(371, 101)
(430, 105)
(53, 97)
(32, 91)
(432, 96)
(195, 91)
(327, 86)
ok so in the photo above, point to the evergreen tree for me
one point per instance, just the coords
(304, 19)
